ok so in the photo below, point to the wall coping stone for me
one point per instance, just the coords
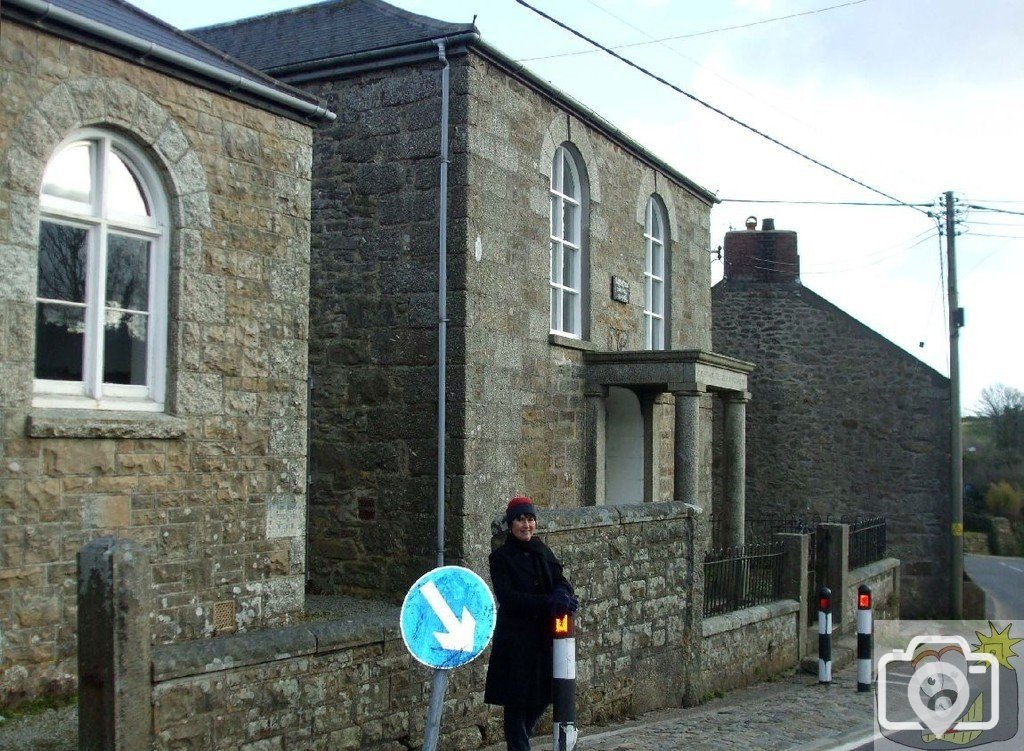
(81, 423)
(860, 575)
(181, 660)
(588, 517)
(738, 619)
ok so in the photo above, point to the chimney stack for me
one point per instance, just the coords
(765, 255)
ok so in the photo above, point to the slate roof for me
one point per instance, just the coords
(126, 19)
(325, 30)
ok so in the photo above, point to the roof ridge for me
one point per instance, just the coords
(427, 22)
(220, 54)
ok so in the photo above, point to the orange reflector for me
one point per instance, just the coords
(824, 603)
(562, 625)
(864, 601)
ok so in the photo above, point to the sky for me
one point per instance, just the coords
(911, 97)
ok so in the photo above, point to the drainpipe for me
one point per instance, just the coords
(442, 304)
(440, 679)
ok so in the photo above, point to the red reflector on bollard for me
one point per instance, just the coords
(864, 601)
(824, 603)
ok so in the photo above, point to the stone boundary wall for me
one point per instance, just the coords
(350, 683)
(884, 579)
(749, 645)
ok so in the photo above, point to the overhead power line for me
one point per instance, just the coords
(695, 33)
(994, 209)
(900, 204)
(714, 109)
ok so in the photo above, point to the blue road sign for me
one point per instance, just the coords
(448, 617)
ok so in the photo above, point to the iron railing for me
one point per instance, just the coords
(867, 540)
(736, 578)
(758, 529)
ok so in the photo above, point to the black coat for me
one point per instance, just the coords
(519, 671)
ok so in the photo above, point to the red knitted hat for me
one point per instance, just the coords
(519, 506)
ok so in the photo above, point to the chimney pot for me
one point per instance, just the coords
(751, 222)
(768, 225)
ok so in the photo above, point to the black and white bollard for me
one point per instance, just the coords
(824, 635)
(864, 638)
(564, 688)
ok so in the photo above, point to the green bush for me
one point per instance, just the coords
(1002, 499)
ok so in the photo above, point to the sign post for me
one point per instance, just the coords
(447, 619)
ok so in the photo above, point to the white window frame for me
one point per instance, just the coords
(95, 217)
(654, 276)
(563, 290)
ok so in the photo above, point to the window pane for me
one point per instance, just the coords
(60, 341)
(655, 222)
(69, 175)
(556, 263)
(658, 303)
(123, 192)
(570, 223)
(569, 186)
(658, 263)
(124, 348)
(555, 310)
(569, 303)
(556, 216)
(127, 273)
(63, 252)
(569, 268)
(657, 338)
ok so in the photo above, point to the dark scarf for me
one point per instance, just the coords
(539, 555)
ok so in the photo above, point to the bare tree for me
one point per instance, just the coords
(1003, 406)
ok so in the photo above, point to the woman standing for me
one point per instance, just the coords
(530, 589)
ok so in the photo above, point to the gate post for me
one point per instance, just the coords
(795, 557)
(114, 684)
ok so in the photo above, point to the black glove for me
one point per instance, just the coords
(561, 601)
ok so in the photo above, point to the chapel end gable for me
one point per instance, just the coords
(154, 240)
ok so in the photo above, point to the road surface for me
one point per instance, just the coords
(1002, 578)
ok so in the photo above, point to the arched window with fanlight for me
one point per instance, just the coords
(101, 295)
(654, 274)
(568, 220)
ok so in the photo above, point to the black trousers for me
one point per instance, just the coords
(519, 725)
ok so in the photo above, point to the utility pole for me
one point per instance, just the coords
(956, 480)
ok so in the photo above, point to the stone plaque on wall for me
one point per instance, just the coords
(620, 289)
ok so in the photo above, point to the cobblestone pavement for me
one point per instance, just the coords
(793, 712)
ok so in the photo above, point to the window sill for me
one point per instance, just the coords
(77, 423)
(568, 342)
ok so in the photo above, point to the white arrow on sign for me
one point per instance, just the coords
(459, 634)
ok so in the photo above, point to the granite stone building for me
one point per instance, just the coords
(154, 262)
(579, 369)
(843, 420)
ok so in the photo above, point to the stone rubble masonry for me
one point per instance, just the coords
(215, 487)
(516, 407)
(351, 684)
(842, 421)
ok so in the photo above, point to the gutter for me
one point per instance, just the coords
(222, 80)
(385, 57)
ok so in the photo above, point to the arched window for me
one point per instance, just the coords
(101, 297)
(566, 245)
(654, 275)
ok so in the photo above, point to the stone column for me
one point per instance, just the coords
(735, 443)
(114, 683)
(686, 451)
(594, 425)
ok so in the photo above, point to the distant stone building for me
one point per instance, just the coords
(578, 296)
(842, 421)
(154, 262)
